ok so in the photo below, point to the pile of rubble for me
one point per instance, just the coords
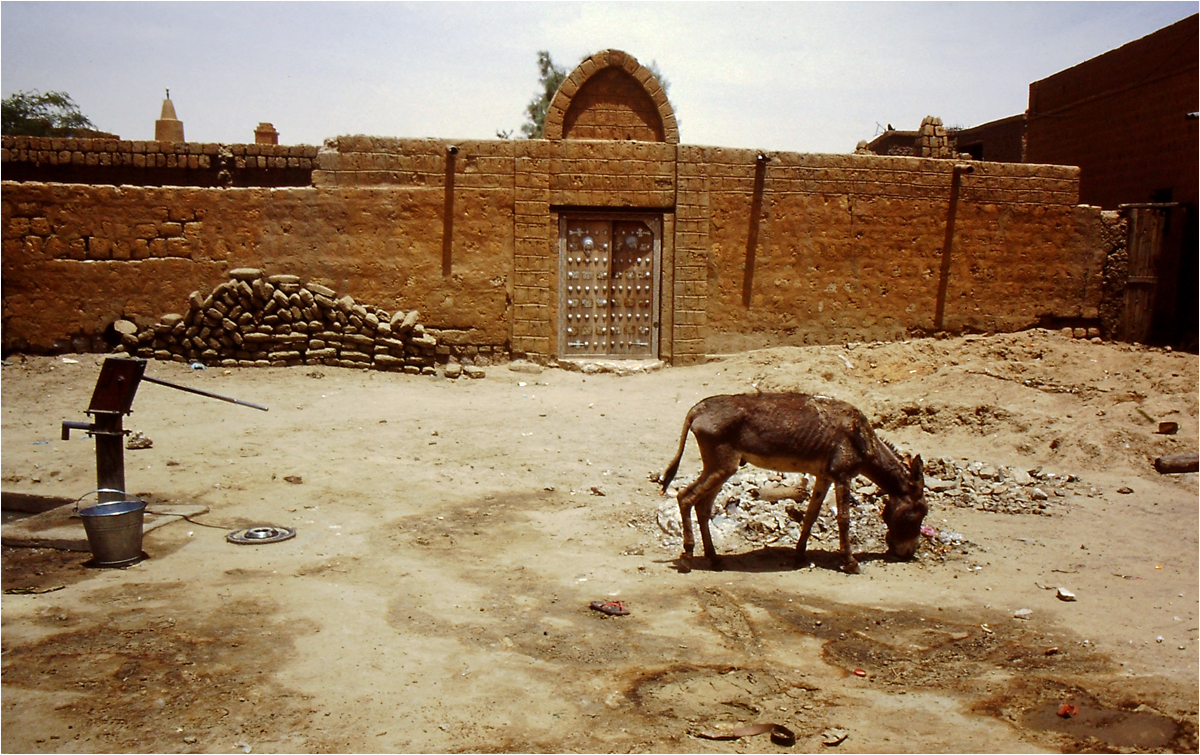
(259, 321)
(1002, 489)
(752, 507)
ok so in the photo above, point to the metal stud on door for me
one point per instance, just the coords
(632, 301)
(586, 258)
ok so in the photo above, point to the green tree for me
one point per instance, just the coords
(36, 114)
(662, 80)
(550, 77)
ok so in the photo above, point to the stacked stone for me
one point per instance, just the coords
(932, 139)
(276, 321)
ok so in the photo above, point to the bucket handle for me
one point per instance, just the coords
(129, 496)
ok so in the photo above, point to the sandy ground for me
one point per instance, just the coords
(450, 536)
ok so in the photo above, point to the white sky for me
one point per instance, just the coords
(796, 76)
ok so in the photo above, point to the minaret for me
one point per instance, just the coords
(168, 128)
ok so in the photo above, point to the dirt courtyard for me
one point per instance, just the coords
(451, 535)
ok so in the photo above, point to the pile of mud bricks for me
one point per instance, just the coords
(273, 321)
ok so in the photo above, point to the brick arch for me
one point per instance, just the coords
(611, 96)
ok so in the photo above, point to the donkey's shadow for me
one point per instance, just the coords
(777, 559)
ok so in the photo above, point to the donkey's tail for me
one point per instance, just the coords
(673, 467)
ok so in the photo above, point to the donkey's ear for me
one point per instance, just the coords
(918, 468)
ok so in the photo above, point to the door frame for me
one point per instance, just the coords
(653, 220)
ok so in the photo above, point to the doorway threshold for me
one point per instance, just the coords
(609, 365)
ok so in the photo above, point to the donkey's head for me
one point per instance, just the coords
(904, 512)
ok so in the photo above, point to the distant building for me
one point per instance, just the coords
(930, 140)
(1127, 118)
(266, 134)
(999, 141)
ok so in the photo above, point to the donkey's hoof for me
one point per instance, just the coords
(685, 564)
(715, 564)
(851, 567)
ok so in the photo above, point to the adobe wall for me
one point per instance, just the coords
(152, 163)
(846, 247)
(77, 257)
(851, 248)
(1121, 116)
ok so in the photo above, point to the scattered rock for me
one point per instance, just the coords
(834, 737)
(939, 486)
(529, 368)
(997, 488)
(137, 441)
(295, 479)
(1065, 595)
(1177, 463)
(125, 327)
(1022, 613)
(746, 508)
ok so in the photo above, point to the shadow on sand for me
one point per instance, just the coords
(775, 559)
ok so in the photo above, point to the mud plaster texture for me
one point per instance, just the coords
(795, 250)
(451, 536)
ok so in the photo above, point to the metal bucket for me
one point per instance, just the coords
(114, 531)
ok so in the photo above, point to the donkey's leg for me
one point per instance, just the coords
(687, 498)
(850, 566)
(703, 502)
(810, 515)
(720, 463)
(703, 515)
(700, 496)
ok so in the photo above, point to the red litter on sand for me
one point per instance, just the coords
(1066, 710)
(610, 607)
(859, 672)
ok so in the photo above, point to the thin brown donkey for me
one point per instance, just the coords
(795, 432)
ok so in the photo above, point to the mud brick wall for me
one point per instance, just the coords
(1121, 117)
(792, 249)
(152, 163)
(613, 105)
(611, 96)
(76, 258)
(850, 248)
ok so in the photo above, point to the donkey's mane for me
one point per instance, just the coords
(891, 463)
(896, 456)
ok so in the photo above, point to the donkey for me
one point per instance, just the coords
(795, 432)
